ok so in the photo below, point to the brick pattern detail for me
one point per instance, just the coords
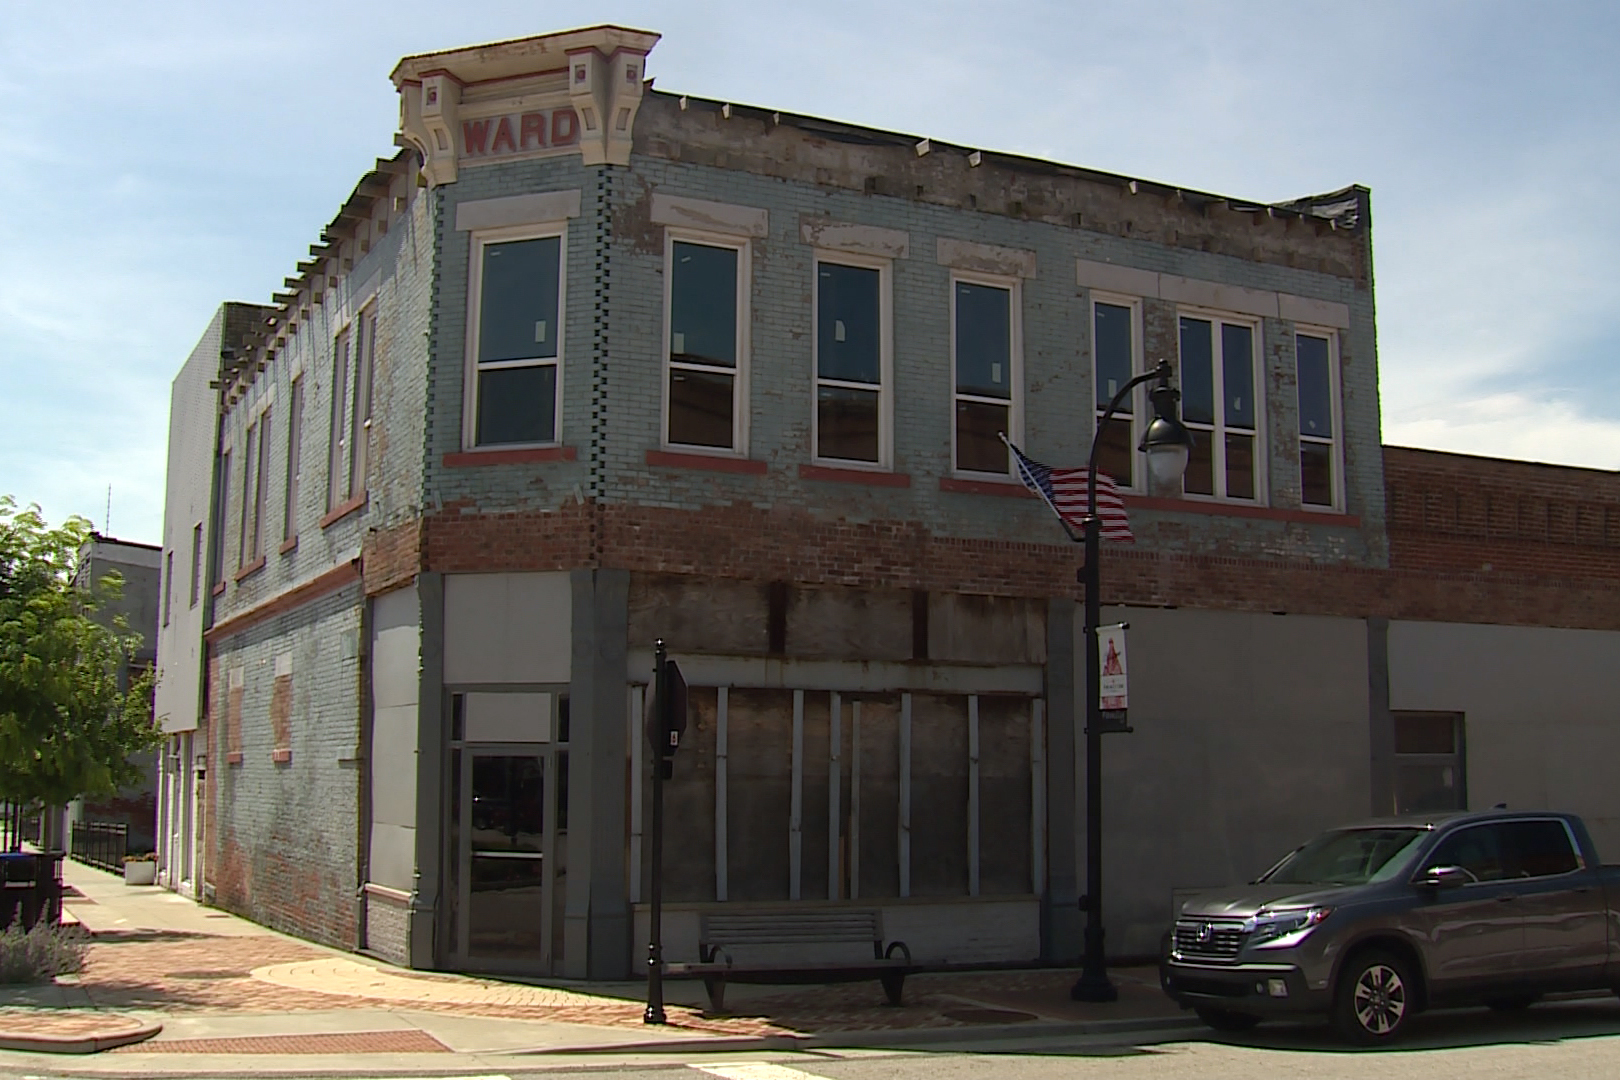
(741, 542)
(1456, 513)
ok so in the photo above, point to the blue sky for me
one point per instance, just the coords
(156, 159)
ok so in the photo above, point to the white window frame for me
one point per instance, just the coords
(364, 344)
(478, 241)
(740, 396)
(1336, 411)
(885, 388)
(1138, 399)
(1015, 401)
(339, 489)
(1217, 435)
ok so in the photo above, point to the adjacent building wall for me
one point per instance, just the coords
(1540, 719)
(1251, 735)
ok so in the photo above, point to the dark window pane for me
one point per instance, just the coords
(1113, 343)
(518, 307)
(562, 790)
(1197, 372)
(983, 340)
(979, 427)
(1477, 850)
(1427, 789)
(517, 405)
(1114, 450)
(1416, 733)
(1316, 473)
(562, 719)
(1199, 479)
(1315, 387)
(848, 324)
(458, 721)
(700, 408)
(1237, 373)
(703, 308)
(847, 423)
(1240, 466)
(1537, 849)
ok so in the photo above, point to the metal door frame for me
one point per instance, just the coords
(547, 753)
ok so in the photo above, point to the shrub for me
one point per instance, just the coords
(40, 954)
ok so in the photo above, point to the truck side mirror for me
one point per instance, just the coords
(1446, 877)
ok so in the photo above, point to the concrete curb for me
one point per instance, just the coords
(892, 1038)
(133, 1030)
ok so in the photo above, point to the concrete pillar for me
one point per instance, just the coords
(1060, 916)
(596, 921)
(423, 946)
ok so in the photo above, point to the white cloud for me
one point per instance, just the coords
(1511, 426)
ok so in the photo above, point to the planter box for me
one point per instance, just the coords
(140, 873)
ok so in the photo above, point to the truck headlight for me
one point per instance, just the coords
(1284, 929)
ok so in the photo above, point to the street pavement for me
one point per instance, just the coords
(191, 990)
(197, 992)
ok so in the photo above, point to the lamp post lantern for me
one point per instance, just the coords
(1167, 444)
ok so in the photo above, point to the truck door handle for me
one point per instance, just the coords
(1503, 898)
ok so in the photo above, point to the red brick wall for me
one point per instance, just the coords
(1462, 514)
(742, 542)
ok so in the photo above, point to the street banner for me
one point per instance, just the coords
(1113, 691)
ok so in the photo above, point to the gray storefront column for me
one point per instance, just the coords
(1060, 917)
(596, 943)
(430, 809)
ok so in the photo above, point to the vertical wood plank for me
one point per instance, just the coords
(973, 795)
(796, 803)
(1037, 795)
(835, 800)
(720, 820)
(637, 739)
(905, 794)
(855, 801)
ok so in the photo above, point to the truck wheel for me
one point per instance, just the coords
(1221, 1020)
(1376, 998)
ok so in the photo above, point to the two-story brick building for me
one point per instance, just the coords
(588, 364)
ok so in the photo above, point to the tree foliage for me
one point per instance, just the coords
(67, 728)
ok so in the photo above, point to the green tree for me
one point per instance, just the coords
(67, 728)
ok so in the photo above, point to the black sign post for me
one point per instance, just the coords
(666, 723)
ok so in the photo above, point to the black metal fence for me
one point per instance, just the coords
(17, 825)
(102, 844)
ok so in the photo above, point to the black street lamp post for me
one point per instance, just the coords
(1167, 445)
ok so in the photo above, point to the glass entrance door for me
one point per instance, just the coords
(504, 911)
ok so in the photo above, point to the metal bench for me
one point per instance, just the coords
(793, 947)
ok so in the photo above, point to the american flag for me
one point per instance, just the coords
(1065, 492)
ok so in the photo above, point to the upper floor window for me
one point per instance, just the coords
(295, 440)
(515, 339)
(852, 347)
(196, 563)
(244, 528)
(1218, 402)
(259, 465)
(168, 585)
(1317, 370)
(365, 351)
(706, 346)
(222, 516)
(986, 371)
(1115, 360)
(337, 473)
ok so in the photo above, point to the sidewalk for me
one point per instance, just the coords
(192, 989)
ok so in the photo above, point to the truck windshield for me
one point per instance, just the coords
(1347, 857)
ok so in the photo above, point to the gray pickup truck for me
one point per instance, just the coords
(1369, 924)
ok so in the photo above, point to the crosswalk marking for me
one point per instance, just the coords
(754, 1070)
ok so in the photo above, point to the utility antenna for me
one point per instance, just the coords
(106, 529)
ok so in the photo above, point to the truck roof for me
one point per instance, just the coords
(1448, 817)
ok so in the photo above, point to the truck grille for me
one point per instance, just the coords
(1208, 940)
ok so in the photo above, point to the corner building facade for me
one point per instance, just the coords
(587, 365)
